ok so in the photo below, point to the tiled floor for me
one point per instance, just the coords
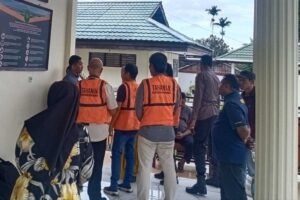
(156, 193)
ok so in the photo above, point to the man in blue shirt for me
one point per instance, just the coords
(230, 134)
(74, 69)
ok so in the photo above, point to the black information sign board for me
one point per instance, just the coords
(25, 31)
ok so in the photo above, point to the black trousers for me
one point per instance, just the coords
(232, 181)
(203, 130)
(187, 142)
(94, 186)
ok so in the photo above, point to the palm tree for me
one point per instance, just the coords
(223, 22)
(213, 11)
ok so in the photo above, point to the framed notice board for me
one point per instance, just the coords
(25, 31)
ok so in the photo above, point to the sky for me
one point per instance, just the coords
(190, 18)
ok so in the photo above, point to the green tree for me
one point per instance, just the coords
(223, 22)
(213, 11)
(216, 44)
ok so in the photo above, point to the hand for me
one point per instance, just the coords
(111, 130)
(179, 136)
(192, 124)
(250, 143)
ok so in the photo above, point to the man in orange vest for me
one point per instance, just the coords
(157, 102)
(97, 106)
(126, 126)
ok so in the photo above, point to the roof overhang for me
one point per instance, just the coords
(139, 45)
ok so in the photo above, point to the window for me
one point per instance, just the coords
(114, 59)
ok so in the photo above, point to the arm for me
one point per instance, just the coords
(121, 96)
(112, 105)
(198, 96)
(188, 131)
(139, 102)
(243, 132)
(238, 120)
(115, 117)
(177, 109)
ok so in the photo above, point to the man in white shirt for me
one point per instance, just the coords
(97, 106)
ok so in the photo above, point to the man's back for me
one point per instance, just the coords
(206, 99)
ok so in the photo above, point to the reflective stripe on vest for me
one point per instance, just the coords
(92, 102)
(127, 120)
(160, 94)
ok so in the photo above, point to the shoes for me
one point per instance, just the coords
(111, 191)
(159, 175)
(162, 181)
(199, 190)
(213, 182)
(125, 188)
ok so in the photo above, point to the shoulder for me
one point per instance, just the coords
(122, 87)
(233, 106)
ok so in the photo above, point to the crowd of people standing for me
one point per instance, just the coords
(64, 146)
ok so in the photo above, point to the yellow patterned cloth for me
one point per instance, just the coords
(35, 183)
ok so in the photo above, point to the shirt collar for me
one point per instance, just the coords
(233, 95)
(70, 73)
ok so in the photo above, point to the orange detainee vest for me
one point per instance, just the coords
(160, 94)
(92, 102)
(127, 120)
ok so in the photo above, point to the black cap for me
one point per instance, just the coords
(247, 75)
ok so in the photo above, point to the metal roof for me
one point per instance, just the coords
(126, 20)
(243, 55)
(240, 55)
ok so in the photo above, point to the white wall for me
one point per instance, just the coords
(113, 74)
(21, 98)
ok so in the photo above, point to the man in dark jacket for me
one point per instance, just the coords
(230, 135)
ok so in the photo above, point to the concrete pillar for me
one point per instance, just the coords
(275, 63)
(70, 29)
(232, 68)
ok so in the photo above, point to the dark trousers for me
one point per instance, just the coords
(122, 141)
(202, 133)
(232, 181)
(94, 186)
(187, 142)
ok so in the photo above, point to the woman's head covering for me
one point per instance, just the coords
(54, 130)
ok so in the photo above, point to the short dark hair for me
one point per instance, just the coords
(74, 59)
(132, 69)
(159, 62)
(231, 80)
(206, 60)
(183, 95)
(169, 70)
(247, 75)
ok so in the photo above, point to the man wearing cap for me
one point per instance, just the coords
(205, 112)
(246, 81)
